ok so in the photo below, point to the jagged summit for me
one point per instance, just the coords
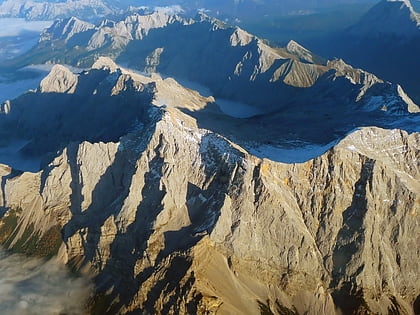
(65, 29)
(59, 80)
(251, 71)
(303, 53)
(105, 63)
(241, 37)
(104, 102)
(202, 225)
(156, 192)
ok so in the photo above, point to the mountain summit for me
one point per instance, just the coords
(174, 204)
(249, 69)
(172, 218)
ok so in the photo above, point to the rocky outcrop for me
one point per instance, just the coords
(303, 53)
(64, 29)
(59, 80)
(384, 41)
(177, 219)
(104, 103)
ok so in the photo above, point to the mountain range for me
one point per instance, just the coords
(173, 218)
(155, 183)
(50, 10)
(385, 41)
(91, 9)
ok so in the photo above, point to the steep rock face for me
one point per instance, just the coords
(303, 53)
(134, 27)
(59, 80)
(250, 70)
(174, 218)
(65, 29)
(105, 102)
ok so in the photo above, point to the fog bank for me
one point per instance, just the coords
(34, 286)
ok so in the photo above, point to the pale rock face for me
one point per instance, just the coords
(173, 218)
(105, 64)
(241, 37)
(249, 67)
(65, 29)
(153, 60)
(411, 106)
(132, 27)
(303, 53)
(59, 80)
(236, 229)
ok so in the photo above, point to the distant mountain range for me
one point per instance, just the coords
(386, 41)
(317, 100)
(92, 9)
(175, 204)
(391, 18)
(50, 10)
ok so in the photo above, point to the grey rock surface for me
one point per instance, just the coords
(177, 219)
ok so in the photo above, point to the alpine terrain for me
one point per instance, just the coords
(162, 173)
(385, 41)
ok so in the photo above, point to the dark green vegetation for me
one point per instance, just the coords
(8, 224)
(31, 242)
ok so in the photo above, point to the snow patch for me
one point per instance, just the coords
(298, 154)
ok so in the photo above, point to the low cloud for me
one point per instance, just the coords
(15, 27)
(30, 286)
(170, 10)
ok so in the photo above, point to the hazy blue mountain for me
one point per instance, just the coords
(386, 41)
(50, 10)
(232, 9)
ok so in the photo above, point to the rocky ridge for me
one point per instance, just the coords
(385, 41)
(173, 218)
(250, 70)
(105, 103)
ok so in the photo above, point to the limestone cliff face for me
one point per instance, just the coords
(177, 219)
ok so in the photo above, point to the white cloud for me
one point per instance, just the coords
(170, 10)
(33, 286)
(14, 27)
